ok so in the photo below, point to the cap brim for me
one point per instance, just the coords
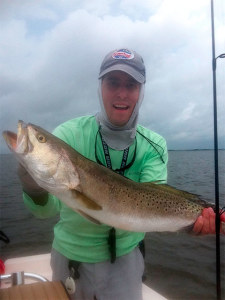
(124, 68)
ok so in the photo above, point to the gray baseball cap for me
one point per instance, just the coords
(124, 60)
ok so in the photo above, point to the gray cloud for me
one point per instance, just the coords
(51, 55)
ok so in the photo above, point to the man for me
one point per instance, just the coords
(105, 262)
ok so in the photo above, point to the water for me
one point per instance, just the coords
(178, 265)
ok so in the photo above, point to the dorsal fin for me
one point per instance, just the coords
(172, 190)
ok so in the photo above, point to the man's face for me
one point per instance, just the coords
(120, 93)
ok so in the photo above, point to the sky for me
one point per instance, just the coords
(51, 51)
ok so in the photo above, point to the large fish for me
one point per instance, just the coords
(95, 191)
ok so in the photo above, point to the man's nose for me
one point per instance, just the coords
(122, 92)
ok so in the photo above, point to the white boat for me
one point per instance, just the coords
(45, 290)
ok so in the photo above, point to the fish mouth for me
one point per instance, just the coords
(11, 139)
(19, 142)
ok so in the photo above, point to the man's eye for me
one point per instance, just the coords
(113, 83)
(132, 85)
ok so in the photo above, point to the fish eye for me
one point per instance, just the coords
(41, 138)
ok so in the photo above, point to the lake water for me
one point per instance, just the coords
(178, 265)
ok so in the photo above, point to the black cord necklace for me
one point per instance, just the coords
(121, 170)
(124, 166)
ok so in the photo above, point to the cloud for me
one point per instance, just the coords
(51, 53)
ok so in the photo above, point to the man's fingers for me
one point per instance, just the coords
(206, 223)
(222, 223)
(198, 225)
(212, 217)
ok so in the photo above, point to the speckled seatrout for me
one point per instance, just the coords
(96, 192)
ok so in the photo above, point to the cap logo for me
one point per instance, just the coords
(123, 54)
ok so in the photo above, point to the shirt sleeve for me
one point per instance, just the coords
(155, 165)
(50, 209)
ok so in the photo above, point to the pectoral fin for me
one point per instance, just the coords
(85, 201)
(88, 217)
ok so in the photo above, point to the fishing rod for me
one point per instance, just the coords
(217, 201)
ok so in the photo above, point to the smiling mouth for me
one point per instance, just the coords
(120, 106)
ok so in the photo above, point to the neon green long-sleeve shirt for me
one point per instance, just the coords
(76, 237)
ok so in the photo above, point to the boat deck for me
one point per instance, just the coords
(40, 264)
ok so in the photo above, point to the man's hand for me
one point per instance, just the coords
(205, 224)
(31, 188)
